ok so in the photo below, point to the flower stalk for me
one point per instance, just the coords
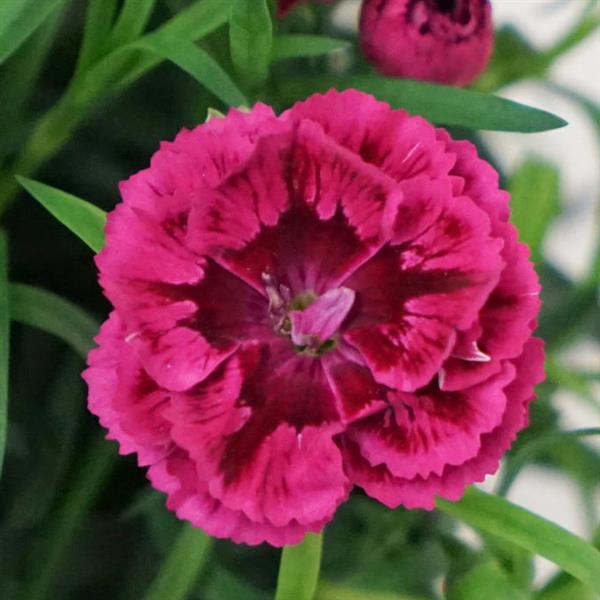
(299, 569)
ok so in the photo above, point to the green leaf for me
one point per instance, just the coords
(297, 45)
(251, 40)
(19, 77)
(438, 103)
(487, 581)
(299, 569)
(199, 64)
(567, 589)
(113, 72)
(182, 566)
(4, 344)
(85, 220)
(49, 312)
(537, 535)
(534, 192)
(19, 19)
(132, 21)
(98, 21)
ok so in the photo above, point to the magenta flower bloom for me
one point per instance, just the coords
(304, 303)
(447, 41)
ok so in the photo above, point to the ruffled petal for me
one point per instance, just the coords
(437, 276)
(422, 433)
(260, 431)
(124, 398)
(328, 217)
(400, 145)
(188, 496)
(421, 492)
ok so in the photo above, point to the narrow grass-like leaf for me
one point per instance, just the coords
(487, 581)
(295, 45)
(113, 72)
(299, 569)
(85, 220)
(182, 566)
(19, 76)
(496, 515)
(534, 192)
(251, 40)
(132, 21)
(197, 63)
(439, 103)
(4, 344)
(193, 23)
(49, 312)
(45, 566)
(98, 22)
(19, 19)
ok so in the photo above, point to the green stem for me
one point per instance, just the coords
(182, 566)
(299, 569)
(46, 566)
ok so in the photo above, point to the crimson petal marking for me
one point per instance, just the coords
(255, 195)
(423, 432)
(420, 492)
(189, 498)
(260, 430)
(330, 177)
(412, 296)
(291, 476)
(335, 213)
(358, 394)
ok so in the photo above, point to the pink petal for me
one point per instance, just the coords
(253, 196)
(180, 357)
(122, 397)
(399, 145)
(420, 492)
(424, 432)
(341, 212)
(322, 318)
(259, 430)
(436, 278)
(189, 498)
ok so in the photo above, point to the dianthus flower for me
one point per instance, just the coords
(446, 41)
(304, 303)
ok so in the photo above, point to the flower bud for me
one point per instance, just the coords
(446, 41)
